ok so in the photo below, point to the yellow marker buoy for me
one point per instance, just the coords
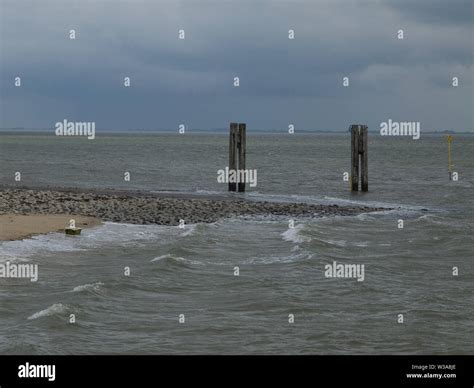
(449, 139)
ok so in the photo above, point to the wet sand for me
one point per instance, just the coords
(17, 227)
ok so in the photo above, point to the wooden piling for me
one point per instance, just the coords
(355, 157)
(237, 150)
(242, 154)
(364, 172)
(232, 154)
(359, 157)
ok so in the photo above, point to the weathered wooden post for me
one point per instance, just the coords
(355, 157)
(364, 172)
(232, 154)
(242, 154)
(359, 157)
(237, 150)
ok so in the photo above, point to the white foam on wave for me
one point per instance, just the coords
(11, 257)
(290, 198)
(121, 233)
(392, 206)
(279, 259)
(167, 256)
(211, 192)
(88, 287)
(424, 217)
(327, 200)
(392, 212)
(178, 259)
(24, 249)
(339, 243)
(189, 230)
(57, 308)
(285, 198)
(294, 235)
(108, 234)
(437, 219)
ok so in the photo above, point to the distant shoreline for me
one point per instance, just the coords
(215, 131)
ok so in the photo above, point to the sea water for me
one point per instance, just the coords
(253, 284)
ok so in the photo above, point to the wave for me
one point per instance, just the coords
(11, 257)
(24, 249)
(211, 192)
(171, 259)
(398, 212)
(295, 235)
(55, 309)
(445, 222)
(285, 198)
(189, 230)
(377, 204)
(167, 256)
(108, 234)
(279, 259)
(319, 200)
(88, 287)
(297, 198)
(338, 243)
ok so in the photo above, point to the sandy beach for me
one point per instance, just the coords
(17, 227)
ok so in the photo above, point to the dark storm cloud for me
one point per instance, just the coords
(436, 11)
(190, 81)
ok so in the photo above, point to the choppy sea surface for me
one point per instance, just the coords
(190, 273)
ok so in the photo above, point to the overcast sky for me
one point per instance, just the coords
(282, 81)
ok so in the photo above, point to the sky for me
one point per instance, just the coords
(282, 81)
